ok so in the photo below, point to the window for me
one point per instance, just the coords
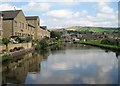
(38, 23)
(15, 23)
(26, 26)
(16, 34)
(22, 25)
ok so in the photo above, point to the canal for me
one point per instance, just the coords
(63, 64)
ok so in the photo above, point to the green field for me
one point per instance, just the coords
(95, 29)
(98, 44)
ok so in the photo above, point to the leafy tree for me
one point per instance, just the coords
(109, 41)
(54, 34)
(5, 41)
(42, 44)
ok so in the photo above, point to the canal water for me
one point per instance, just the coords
(64, 64)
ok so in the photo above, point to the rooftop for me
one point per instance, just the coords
(11, 14)
(31, 17)
(43, 27)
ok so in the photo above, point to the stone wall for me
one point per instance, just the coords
(11, 46)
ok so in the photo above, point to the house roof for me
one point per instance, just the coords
(31, 17)
(43, 27)
(11, 14)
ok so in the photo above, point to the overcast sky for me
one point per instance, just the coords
(57, 14)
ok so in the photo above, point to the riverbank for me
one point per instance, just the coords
(98, 44)
(15, 55)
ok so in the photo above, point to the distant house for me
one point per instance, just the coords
(45, 31)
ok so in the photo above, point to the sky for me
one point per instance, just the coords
(59, 14)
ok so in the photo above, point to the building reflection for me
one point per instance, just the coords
(16, 72)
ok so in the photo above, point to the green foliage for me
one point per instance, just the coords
(109, 41)
(5, 41)
(42, 44)
(98, 44)
(7, 57)
(54, 34)
(97, 30)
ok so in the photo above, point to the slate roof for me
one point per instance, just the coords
(43, 27)
(11, 14)
(31, 17)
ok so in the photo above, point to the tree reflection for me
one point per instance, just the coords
(44, 53)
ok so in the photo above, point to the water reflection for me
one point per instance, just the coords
(16, 72)
(64, 64)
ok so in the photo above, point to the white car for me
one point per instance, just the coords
(13, 41)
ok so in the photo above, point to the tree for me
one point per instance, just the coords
(42, 44)
(5, 41)
(56, 35)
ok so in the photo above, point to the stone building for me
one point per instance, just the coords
(45, 31)
(15, 23)
(1, 19)
(34, 20)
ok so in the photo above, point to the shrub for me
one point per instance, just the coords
(7, 57)
(43, 44)
(109, 41)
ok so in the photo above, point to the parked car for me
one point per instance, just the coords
(14, 39)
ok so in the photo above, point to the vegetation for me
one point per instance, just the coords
(7, 57)
(42, 44)
(109, 41)
(5, 41)
(56, 35)
(16, 49)
(97, 43)
(92, 29)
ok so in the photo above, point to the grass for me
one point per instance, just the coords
(98, 44)
(95, 29)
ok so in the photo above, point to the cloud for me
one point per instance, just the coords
(37, 6)
(104, 16)
(62, 14)
(60, 0)
(104, 8)
(8, 7)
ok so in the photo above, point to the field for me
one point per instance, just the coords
(96, 29)
(92, 29)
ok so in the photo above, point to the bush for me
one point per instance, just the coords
(109, 41)
(7, 57)
(43, 44)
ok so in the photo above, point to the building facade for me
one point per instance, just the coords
(15, 23)
(1, 20)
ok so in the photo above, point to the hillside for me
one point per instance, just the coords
(92, 29)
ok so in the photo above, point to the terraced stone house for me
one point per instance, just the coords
(15, 23)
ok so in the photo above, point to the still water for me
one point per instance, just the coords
(64, 64)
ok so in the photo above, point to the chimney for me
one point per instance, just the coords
(14, 9)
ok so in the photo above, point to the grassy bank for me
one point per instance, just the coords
(98, 44)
